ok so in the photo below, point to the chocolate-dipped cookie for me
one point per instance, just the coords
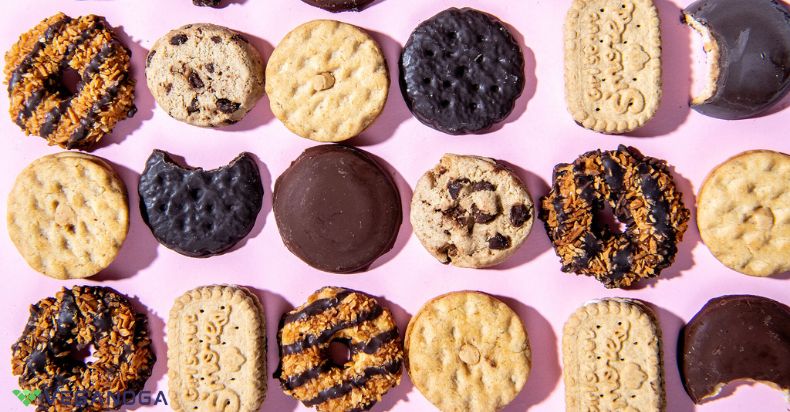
(733, 338)
(748, 49)
(196, 212)
(461, 71)
(337, 209)
(336, 6)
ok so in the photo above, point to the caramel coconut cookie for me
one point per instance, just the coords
(612, 358)
(467, 351)
(742, 213)
(327, 80)
(355, 319)
(612, 64)
(471, 211)
(37, 70)
(68, 215)
(46, 356)
(205, 75)
(642, 195)
(216, 350)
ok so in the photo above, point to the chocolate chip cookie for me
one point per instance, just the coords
(471, 211)
(461, 71)
(205, 75)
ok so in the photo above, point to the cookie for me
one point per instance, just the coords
(196, 212)
(68, 215)
(639, 192)
(48, 356)
(746, 78)
(204, 3)
(612, 358)
(742, 213)
(205, 75)
(612, 64)
(337, 209)
(461, 71)
(216, 350)
(336, 6)
(354, 320)
(471, 211)
(59, 50)
(327, 81)
(737, 337)
(467, 351)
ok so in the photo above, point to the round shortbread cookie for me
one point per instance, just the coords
(467, 351)
(68, 215)
(471, 211)
(205, 75)
(743, 213)
(327, 81)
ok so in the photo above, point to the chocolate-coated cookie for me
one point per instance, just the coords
(209, 3)
(337, 209)
(336, 6)
(198, 212)
(461, 71)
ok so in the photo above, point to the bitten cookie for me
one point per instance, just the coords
(336, 6)
(68, 215)
(467, 351)
(337, 209)
(47, 357)
(327, 81)
(461, 71)
(641, 194)
(216, 350)
(205, 75)
(743, 214)
(612, 358)
(359, 322)
(41, 63)
(471, 211)
(612, 64)
(735, 337)
(196, 212)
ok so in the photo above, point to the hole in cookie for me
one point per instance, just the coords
(619, 323)
(597, 326)
(83, 356)
(625, 42)
(70, 80)
(201, 310)
(339, 353)
(605, 220)
(601, 12)
(634, 79)
(597, 109)
(638, 25)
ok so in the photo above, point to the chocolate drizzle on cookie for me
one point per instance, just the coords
(642, 196)
(364, 326)
(40, 97)
(58, 328)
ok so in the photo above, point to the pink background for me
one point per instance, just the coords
(535, 137)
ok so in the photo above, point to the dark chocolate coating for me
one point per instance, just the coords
(336, 6)
(461, 71)
(337, 209)
(209, 3)
(735, 337)
(196, 212)
(754, 39)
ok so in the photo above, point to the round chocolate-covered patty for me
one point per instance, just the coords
(336, 6)
(461, 71)
(732, 338)
(337, 209)
(642, 196)
(748, 47)
(47, 357)
(198, 212)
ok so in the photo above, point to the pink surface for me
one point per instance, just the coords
(535, 137)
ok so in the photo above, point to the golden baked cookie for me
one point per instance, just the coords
(37, 70)
(612, 358)
(612, 64)
(743, 213)
(68, 215)
(216, 350)
(327, 81)
(467, 351)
